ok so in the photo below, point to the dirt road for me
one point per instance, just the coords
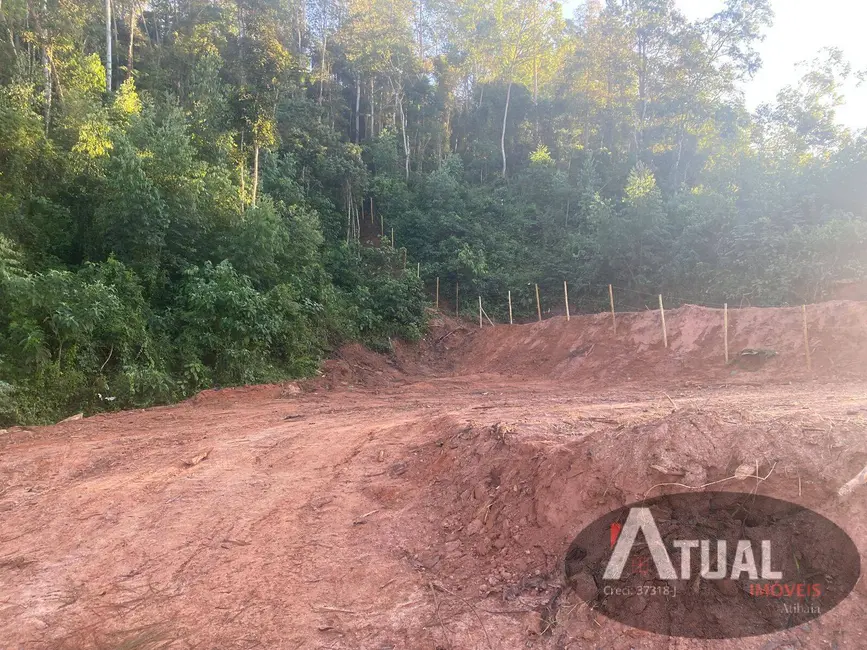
(401, 512)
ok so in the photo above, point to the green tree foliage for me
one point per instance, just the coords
(216, 218)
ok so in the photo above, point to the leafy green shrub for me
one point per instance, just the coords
(71, 338)
(301, 336)
(222, 328)
(384, 299)
(398, 304)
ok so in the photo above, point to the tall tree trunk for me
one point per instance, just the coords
(535, 81)
(302, 25)
(46, 74)
(322, 67)
(358, 219)
(115, 40)
(156, 33)
(642, 94)
(242, 164)
(29, 44)
(324, 19)
(46, 69)
(420, 41)
(49, 72)
(348, 218)
(372, 133)
(108, 45)
(399, 113)
(357, 108)
(535, 64)
(405, 137)
(503, 133)
(538, 128)
(242, 169)
(129, 52)
(11, 39)
(255, 174)
(676, 170)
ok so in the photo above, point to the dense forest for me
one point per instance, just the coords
(193, 193)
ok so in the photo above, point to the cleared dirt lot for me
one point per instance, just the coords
(412, 502)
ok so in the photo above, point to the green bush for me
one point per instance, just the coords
(384, 299)
(71, 339)
(90, 341)
(222, 328)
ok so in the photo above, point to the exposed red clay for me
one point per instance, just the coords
(426, 499)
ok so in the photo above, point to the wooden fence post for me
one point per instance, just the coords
(806, 340)
(392, 237)
(726, 330)
(488, 318)
(438, 294)
(457, 298)
(566, 296)
(480, 312)
(662, 313)
(418, 270)
(538, 304)
(613, 318)
(510, 307)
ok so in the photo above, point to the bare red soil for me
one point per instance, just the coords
(426, 499)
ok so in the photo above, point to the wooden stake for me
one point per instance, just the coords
(371, 210)
(242, 174)
(807, 340)
(538, 304)
(510, 308)
(613, 318)
(418, 270)
(662, 313)
(255, 174)
(381, 227)
(566, 295)
(487, 318)
(457, 298)
(392, 237)
(480, 312)
(726, 330)
(438, 294)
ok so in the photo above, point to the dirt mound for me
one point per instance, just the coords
(358, 366)
(512, 498)
(765, 346)
(243, 393)
(586, 349)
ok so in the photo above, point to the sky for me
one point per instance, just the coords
(801, 28)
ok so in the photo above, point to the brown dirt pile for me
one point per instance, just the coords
(586, 350)
(513, 497)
